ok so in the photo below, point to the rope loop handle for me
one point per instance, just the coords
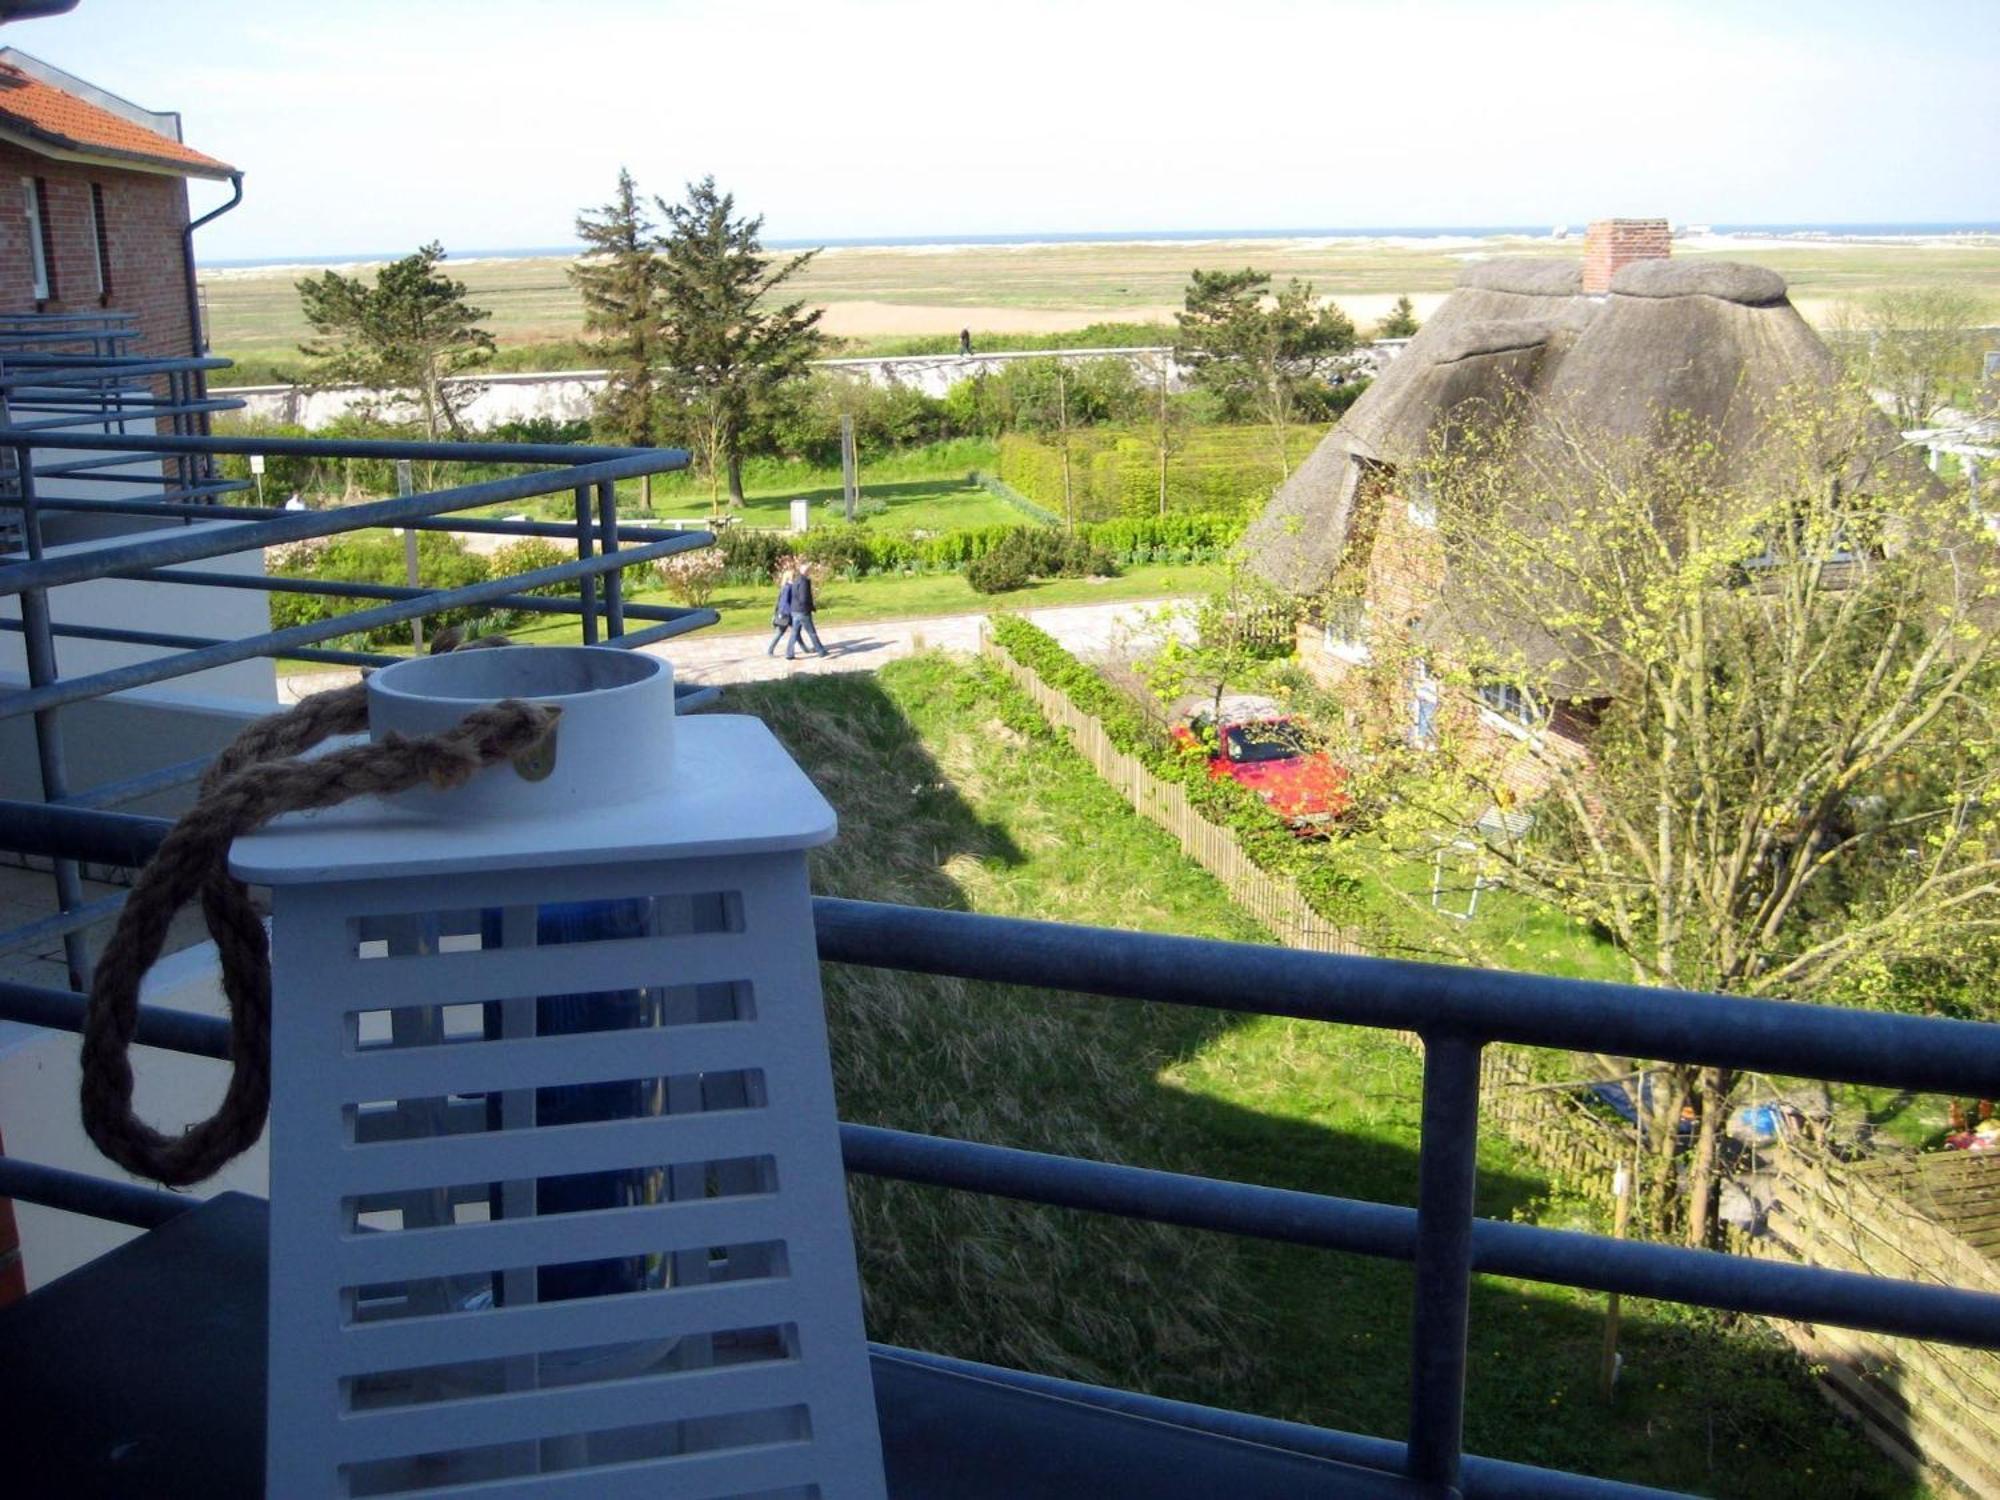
(256, 778)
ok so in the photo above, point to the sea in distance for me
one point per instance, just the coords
(1807, 232)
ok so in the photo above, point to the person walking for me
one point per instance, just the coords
(800, 603)
(781, 615)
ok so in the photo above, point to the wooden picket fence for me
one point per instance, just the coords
(1933, 1408)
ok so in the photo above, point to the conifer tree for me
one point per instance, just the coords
(723, 347)
(412, 331)
(618, 276)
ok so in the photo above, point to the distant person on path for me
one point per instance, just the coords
(965, 341)
(781, 615)
(800, 604)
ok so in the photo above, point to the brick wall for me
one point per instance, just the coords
(144, 214)
(1397, 563)
(1611, 243)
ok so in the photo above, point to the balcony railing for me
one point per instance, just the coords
(99, 442)
(1456, 1012)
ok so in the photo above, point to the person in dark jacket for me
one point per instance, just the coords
(781, 615)
(800, 603)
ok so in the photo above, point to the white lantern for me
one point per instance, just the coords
(557, 1204)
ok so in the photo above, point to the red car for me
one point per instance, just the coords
(1266, 751)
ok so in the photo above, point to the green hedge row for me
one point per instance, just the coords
(1116, 472)
(1263, 835)
(852, 551)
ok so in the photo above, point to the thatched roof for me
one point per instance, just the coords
(1714, 341)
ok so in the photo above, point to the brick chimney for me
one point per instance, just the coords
(1611, 243)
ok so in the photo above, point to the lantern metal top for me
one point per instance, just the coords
(733, 790)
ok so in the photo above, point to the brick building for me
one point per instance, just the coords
(94, 205)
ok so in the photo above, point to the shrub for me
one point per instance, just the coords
(998, 573)
(691, 577)
(376, 557)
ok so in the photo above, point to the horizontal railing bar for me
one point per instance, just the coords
(282, 642)
(563, 455)
(98, 1197)
(61, 923)
(93, 835)
(1923, 1053)
(201, 642)
(145, 784)
(1703, 1278)
(1483, 1478)
(79, 415)
(163, 548)
(472, 525)
(277, 583)
(695, 620)
(159, 1025)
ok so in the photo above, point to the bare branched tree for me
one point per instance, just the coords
(1748, 698)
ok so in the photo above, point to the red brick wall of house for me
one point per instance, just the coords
(144, 215)
(1611, 243)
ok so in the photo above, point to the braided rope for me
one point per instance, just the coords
(254, 780)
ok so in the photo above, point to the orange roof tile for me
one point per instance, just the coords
(52, 115)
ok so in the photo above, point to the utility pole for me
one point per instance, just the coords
(1062, 428)
(1621, 1216)
(850, 479)
(1163, 434)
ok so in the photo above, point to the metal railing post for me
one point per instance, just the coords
(586, 587)
(1447, 1170)
(40, 644)
(607, 543)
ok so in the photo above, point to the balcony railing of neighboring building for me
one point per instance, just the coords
(102, 445)
(1457, 1012)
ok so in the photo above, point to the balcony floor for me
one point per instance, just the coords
(143, 1374)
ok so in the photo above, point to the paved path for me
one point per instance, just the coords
(1087, 629)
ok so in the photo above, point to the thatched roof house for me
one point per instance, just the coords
(1652, 337)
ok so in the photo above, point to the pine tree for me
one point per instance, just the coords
(619, 279)
(724, 350)
(1400, 323)
(410, 332)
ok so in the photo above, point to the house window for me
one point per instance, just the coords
(1422, 505)
(1423, 707)
(1508, 701)
(100, 241)
(1345, 631)
(34, 205)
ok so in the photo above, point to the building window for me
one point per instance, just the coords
(1422, 504)
(1508, 701)
(34, 205)
(1423, 707)
(100, 240)
(1345, 632)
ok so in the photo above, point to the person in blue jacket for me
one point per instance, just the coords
(781, 616)
(798, 602)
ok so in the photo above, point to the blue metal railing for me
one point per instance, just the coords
(75, 408)
(1456, 1012)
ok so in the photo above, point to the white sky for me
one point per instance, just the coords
(369, 126)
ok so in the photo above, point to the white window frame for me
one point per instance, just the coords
(100, 243)
(1425, 693)
(31, 208)
(1350, 643)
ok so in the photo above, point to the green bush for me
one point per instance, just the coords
(998, 573)
(376, 557)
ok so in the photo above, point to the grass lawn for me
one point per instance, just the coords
(953, 793)
(925, 488)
